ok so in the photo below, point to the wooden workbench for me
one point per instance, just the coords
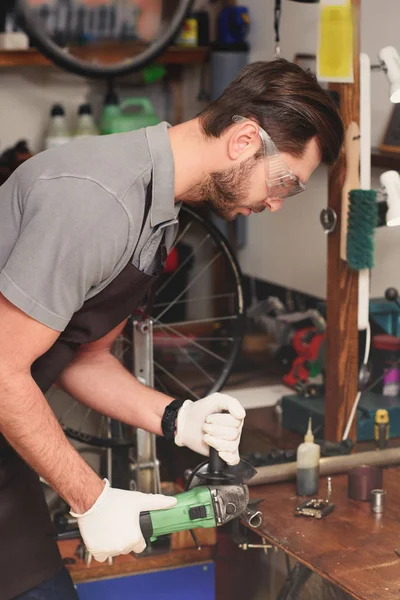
(182, 552)
(351, 547)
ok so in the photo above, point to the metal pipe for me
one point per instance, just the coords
(328, 466)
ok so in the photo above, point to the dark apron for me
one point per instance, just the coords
(28, 549)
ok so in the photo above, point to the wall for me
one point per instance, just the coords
(289, 248)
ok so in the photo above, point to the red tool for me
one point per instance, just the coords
(307, 343)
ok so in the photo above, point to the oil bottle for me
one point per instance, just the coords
(308, 454)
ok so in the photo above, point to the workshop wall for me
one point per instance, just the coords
(289, 248)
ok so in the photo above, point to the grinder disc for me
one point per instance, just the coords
(233, 475)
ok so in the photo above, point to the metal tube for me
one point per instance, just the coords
(378, 501)
(328, 466)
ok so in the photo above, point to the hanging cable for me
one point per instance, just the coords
(277, 24)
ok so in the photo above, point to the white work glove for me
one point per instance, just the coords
(202, 424)
(111, 526)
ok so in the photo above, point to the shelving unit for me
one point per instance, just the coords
(385, 160)
(105, 53)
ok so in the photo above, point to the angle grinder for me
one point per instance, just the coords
(216, 493)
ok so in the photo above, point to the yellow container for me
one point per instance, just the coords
(189, 33)
(335, 52)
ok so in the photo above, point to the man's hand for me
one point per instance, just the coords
(111, 526)
(204, 423)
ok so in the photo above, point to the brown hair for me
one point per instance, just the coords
(286, 101)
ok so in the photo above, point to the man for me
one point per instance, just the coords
(85, 228)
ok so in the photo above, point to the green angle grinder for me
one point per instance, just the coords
(215, 494)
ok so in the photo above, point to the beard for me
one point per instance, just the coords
(224, 191)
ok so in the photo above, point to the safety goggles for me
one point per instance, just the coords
(281, 181)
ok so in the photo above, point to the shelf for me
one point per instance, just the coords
(385, 160)
(105, 53)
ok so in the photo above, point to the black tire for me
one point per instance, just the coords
(123, 435)
(65, 61)
(225, 247)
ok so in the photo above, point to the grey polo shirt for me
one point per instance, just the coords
(70, 220)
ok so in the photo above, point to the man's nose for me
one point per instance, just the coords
(274, 204)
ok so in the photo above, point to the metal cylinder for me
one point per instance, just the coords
(328, 466)
(364, 479)
(378, 501)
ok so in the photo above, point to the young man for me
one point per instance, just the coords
(85, 228)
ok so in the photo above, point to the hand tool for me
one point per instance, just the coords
(381, 428)
(317, 508)
(216, 494)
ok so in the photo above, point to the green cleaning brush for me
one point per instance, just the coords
(362, 221)
(359, 209)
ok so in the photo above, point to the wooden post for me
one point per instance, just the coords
(341, 381)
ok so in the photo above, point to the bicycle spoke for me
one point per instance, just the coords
(193, 342)
(168, 281)
(209, 264)
(164, 389)
(195, 321)
(181, 235)
(180, 383)
(186, 353)
(201, 299)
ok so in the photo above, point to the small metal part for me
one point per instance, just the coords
(88, 559)
(110, 561)
(328, 219)
(378, 501)
(329, 489)
(264, 546)
(230, 508)
(252, 517)
(315, 508)
(195, 539)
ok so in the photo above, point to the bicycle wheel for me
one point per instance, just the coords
(198, 320)
(64, 31)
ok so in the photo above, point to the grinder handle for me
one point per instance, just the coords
(216, 463)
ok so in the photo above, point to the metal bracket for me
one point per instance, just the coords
(146, 465)
(264, 546)
(328, 219)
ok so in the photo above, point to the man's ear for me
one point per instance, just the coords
(243, 140)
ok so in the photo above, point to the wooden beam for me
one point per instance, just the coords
(341, 381)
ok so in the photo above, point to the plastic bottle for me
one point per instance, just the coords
(308, 454)
(110, 114)
(86, 125)
(57, 133)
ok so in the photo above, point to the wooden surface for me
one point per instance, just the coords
(130, 564)
(351, 547)
(342, 283)
(385, 160)
(104, 53)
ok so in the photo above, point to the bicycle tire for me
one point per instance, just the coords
(223, 245)
(226, 248)
(65, 61)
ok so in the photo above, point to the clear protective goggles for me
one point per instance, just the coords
(281, 181)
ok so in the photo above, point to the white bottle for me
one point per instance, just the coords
(86, 125)
(308, 454)
(57, 133)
